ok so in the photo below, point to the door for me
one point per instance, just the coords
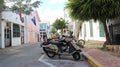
(7, 33)
(38, 37)
(22, 34)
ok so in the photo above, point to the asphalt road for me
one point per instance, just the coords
(33, 56)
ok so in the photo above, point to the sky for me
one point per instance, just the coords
(50, 10)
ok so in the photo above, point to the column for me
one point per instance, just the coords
(26, 32)
(12, 34)
(2, 34)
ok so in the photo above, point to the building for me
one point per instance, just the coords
(12, 31)
(44, 29)
(92, 30)
(33, 27)
(16, 31)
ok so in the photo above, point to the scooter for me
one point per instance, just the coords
(51, 49)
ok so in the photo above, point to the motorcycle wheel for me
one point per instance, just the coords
(50, 54)
(76, 56)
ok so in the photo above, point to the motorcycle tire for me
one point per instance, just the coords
(50, 54)
(76, 56)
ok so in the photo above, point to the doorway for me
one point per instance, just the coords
(22, 34)
(7, 34)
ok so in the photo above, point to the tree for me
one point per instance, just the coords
(1, 8)
(60, 24)
(101, 10)
(25, 6)
(78, 25)
(1, 5)
(53, 30)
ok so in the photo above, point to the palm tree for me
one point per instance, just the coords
(101, 10)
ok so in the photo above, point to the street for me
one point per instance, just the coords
(33, 56)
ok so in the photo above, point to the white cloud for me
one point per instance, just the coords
(50, 15)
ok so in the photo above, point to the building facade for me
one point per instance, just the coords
(92, 30)
(16, 31)
(12, 29)
(45, 30)
(33, 27)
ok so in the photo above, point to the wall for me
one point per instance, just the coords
(33, 30)
(16, 41)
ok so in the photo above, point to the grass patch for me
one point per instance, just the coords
(90, 43)
(94, 43)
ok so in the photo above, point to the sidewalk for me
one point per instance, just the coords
(13, 49)
(103, 57)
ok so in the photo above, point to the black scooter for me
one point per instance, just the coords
(51, 49)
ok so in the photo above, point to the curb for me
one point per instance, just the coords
(91, 60)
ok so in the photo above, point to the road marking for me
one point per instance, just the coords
(59, 60)
(41, 60)
(41, 57)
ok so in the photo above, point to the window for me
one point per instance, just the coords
(91, 29)
(102, 33)
(43, 27)
(16, 30)
(35, 34)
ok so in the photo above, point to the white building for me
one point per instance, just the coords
(45, 29)
(92, 30)
(12, 30)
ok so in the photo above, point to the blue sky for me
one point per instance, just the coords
(51, 9)
(52, 5)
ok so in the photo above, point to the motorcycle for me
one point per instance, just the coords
(51, 49)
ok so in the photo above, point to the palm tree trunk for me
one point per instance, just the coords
(78, 29)
(108, 41)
